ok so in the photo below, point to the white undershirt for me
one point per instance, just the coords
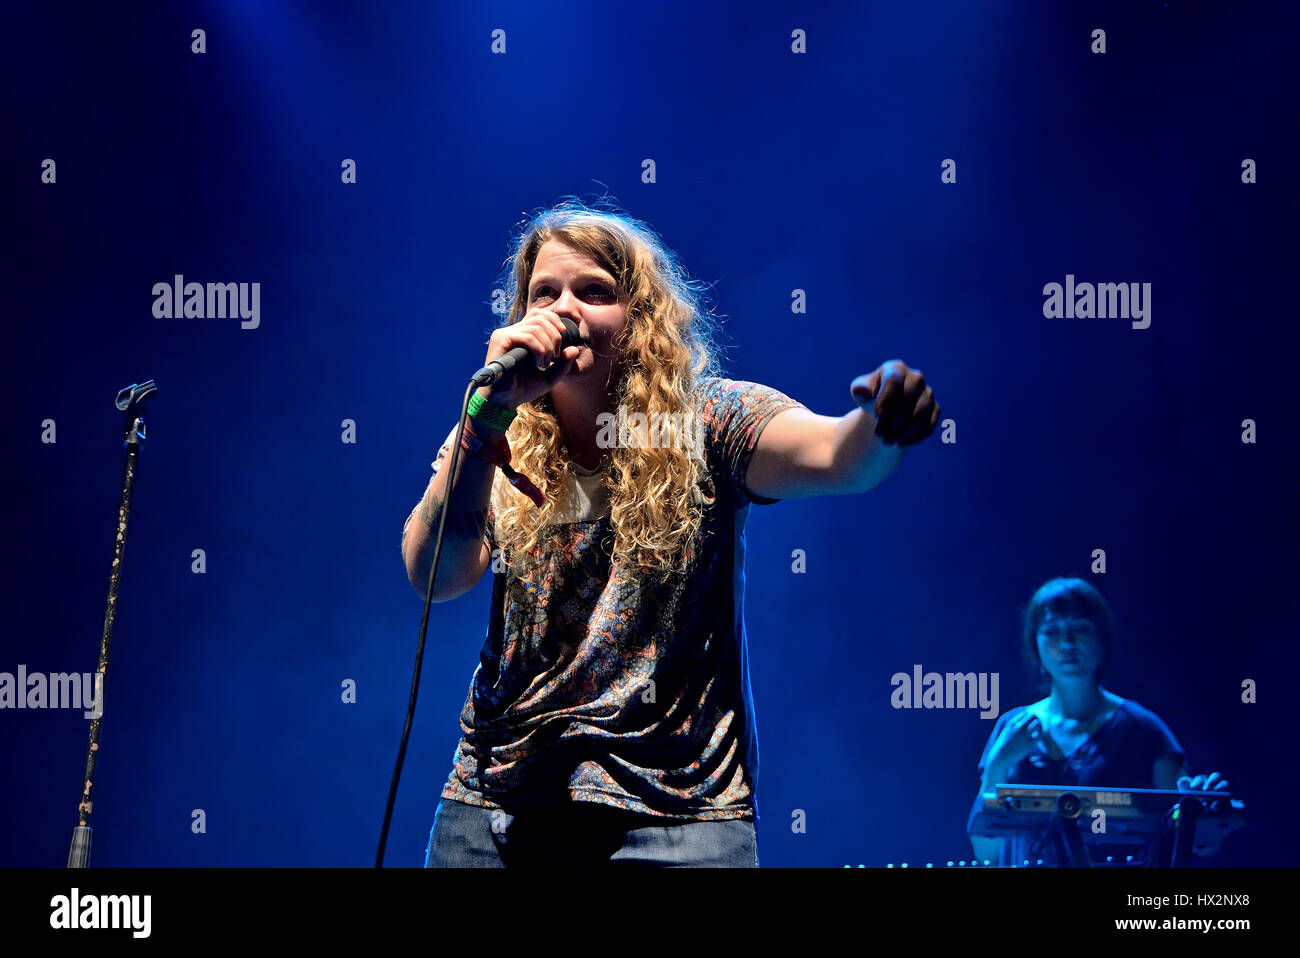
(588, 499)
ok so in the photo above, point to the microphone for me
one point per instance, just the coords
(499, 367)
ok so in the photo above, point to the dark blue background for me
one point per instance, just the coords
(775, 172)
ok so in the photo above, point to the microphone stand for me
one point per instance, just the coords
(131, 401)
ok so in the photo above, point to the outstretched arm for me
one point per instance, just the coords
(801, 454)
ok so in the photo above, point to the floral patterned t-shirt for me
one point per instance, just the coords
(598, 685)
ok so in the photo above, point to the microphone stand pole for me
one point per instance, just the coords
(131, 401)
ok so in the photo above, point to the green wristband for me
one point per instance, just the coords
(489, 414)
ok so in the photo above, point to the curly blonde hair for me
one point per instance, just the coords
(657, 495)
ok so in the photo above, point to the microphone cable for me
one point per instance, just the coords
(484, 377)
(424, 626)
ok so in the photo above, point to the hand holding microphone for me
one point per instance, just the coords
(526, 359)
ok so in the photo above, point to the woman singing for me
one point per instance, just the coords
(610, 719)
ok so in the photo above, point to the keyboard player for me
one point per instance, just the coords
(1081, 733)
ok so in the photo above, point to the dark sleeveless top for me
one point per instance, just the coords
(1120, 753)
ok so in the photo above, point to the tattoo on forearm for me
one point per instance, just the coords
(461, 523)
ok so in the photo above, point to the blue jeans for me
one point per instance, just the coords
(585, 835)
